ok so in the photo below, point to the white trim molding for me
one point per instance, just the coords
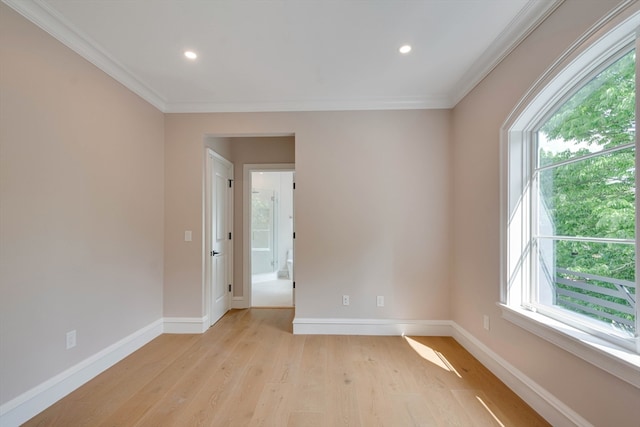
(32, 402)
(533, 14)
(322, 326)
(185, 325)
(239, 303)
(54, 23)
(47, 18)
(37, 399)
(544, 403)
(338, 104)
(620, 362)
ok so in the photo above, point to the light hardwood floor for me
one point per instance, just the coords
(249, 370)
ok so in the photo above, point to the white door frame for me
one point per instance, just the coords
(246, 221)
(206, 241)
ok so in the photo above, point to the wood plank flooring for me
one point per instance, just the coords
(250, 370)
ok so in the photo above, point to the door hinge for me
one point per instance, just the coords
(229, 235)
(294, 185)
(294, 234)
(294, 285)
(230, 182)
(229, 287)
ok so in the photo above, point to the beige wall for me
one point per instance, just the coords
(274, 149)
(372, 209)
(599, 397)
(220, 145)
(81, 208)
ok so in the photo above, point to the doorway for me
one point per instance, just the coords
(271, 237)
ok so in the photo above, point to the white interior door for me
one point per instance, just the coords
(220, 206)
(293, 227)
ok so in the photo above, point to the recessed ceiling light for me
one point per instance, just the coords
(190, 54)
(405, 49)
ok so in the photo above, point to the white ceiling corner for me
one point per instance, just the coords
(56, 25)
(529, 18)
(317, 80)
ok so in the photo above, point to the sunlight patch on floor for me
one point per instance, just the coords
(431, 355)
(489, 411)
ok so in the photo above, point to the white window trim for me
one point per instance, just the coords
(616, 360)
(611, 34)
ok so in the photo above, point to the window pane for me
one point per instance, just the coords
(596, 280)
(593, 197)
(600, 115)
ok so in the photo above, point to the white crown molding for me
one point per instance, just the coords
(529, 18)
(38, 12)
(41, 14)
(405, 103)
(32, 402)
(45, 17)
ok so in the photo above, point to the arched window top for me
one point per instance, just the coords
(599, 115)
(576, 66)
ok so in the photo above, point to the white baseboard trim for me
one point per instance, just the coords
(186, 325)
(543, 402)
(311, 326)
(239, 302)
(27, 405)
(32, 402)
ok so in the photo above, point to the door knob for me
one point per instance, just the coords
(214, 253)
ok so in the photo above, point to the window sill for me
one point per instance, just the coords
(615, 360)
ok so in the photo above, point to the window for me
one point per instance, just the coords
(583, 236)
(570, 247)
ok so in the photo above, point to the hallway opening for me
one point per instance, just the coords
(271, 237)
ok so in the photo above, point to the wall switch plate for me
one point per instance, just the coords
(187, 236)
(71, 339)
(485, 322)
(380, 301)
(345, 299)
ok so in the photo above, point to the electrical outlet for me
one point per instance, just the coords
(485, 322)
(71, 339)
(380, 301)
(345, 299)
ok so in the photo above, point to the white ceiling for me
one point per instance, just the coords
(291, 55)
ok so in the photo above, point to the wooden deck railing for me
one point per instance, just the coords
(610, 300)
